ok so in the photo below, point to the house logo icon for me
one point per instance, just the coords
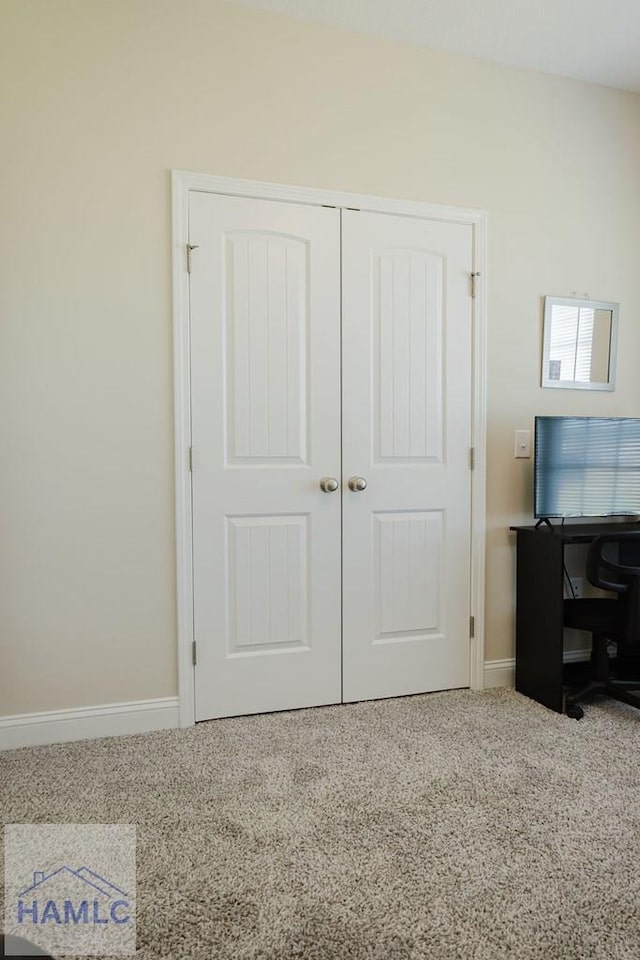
(70, 888)
(72, 897)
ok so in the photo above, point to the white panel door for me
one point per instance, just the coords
(265, 375)
(407, 327)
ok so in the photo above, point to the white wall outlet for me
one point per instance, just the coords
(522, 447)
(577, 587)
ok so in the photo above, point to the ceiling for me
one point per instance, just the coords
(593, 40)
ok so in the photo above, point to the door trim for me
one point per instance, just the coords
(182, 184)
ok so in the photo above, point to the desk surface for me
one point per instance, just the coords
(579, 532)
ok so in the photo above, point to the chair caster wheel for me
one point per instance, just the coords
(575, 711)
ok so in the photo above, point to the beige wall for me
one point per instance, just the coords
(99, 101)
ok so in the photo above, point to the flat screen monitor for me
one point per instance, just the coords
(587, 467)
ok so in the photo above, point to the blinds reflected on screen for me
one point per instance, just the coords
(587, 466)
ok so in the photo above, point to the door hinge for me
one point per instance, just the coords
(190, 459)
(474, 278)
(194, 654)
(190, 247)
(472, 627)
(472, 458)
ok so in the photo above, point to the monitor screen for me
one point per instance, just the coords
(587, 466)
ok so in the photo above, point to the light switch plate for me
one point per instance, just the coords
(522, 448)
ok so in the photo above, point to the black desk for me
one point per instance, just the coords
(539, 604)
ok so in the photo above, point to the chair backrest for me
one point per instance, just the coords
(613, 563)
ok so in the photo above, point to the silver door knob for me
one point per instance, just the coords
(329, 484)
(357, 484)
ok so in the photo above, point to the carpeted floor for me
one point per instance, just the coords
(454, 825)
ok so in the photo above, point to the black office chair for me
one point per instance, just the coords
(613, 564)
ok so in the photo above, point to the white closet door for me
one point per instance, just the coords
(406, 430)
(265, 374)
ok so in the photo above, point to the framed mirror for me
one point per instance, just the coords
(579, 344)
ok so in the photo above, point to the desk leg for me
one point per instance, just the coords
(540, 618)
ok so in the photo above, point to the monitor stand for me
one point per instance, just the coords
(546, 521)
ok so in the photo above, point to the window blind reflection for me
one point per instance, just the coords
(572, 342)
(587, 466)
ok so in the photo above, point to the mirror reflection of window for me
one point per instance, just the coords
(579, 343)
(600, 348)
(571, 344)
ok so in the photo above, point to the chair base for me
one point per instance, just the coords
(602, 683)
(622, 690)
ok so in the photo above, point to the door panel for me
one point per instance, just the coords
(407, 551)
(267, 341)
(265, 373)
(406, 430)
(268, 582)
(407, 342)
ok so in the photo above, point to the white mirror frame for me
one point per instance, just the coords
(546, 381)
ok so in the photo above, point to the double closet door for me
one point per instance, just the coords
(331, 395)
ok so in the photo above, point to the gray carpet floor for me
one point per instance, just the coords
(452, 825)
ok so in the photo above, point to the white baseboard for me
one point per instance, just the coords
(502, 673)
(499, 673)
(143, 716)
(82, 723)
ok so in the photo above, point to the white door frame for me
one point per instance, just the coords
(182, 184)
